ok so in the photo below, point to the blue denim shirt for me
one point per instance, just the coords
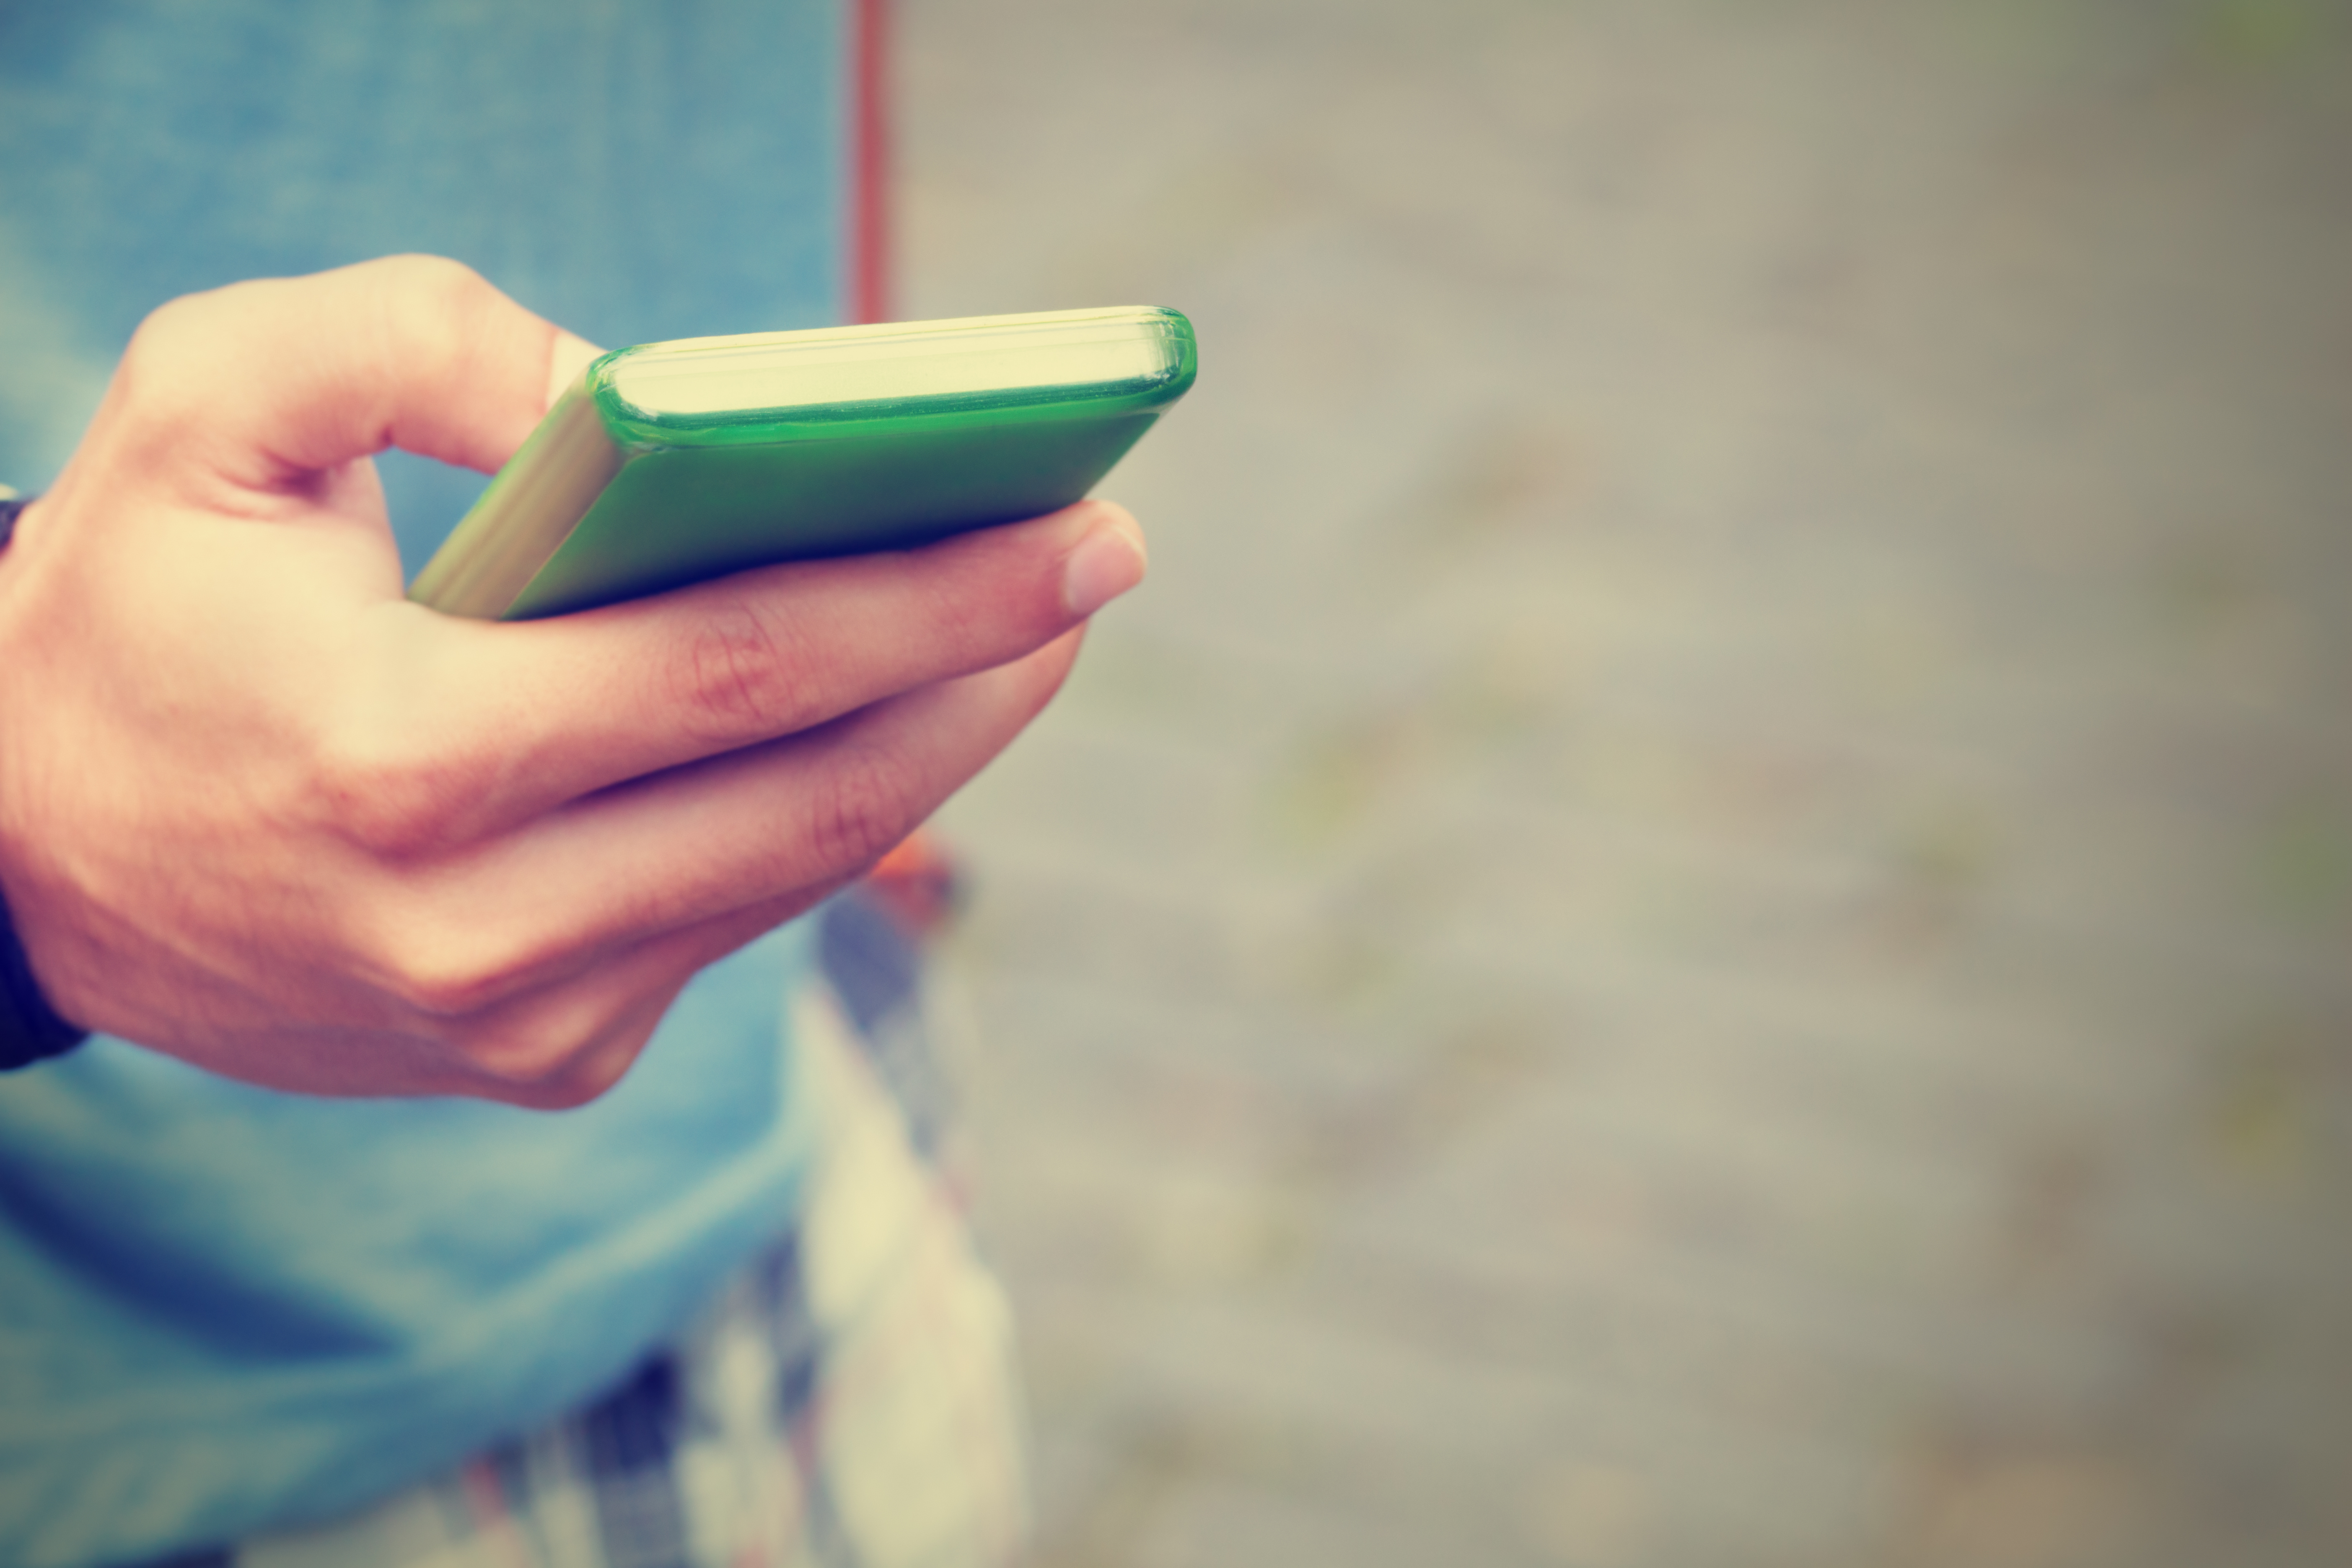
(220, 1307)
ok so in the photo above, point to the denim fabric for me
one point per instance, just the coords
(223, 1309)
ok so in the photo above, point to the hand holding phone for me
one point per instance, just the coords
(262, 812)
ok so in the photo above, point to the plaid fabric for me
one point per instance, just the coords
(848, 1400)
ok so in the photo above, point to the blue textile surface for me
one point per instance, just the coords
(631, 172)
(222, 1308)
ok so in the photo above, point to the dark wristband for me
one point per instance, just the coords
(30, 1028)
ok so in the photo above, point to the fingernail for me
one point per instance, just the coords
(1108, 561)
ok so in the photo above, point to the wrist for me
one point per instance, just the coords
(30, 1029)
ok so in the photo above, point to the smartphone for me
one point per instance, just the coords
(669, 463)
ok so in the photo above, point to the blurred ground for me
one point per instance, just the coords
(1704, 915)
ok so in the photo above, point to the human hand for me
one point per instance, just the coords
(261, 812)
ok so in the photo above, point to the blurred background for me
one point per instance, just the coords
(1705, 914)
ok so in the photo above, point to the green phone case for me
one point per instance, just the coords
(669, 463)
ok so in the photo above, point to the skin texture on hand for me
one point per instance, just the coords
(261, 812)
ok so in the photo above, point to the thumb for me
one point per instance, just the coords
(269, 383)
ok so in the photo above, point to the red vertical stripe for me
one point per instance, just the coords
(869, 154)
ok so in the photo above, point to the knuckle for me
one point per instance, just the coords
(438, 973)
(548, 1074)
(526, 1063)
(431, 308)
(432, 288)
(967, 627)
(738, 674)
(552, 1091)
(864, 805)
(391, 802)
(442, 984)
(165, 328)
(443, 968)
(561, 1053)
(419, 272)
(153, 379)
